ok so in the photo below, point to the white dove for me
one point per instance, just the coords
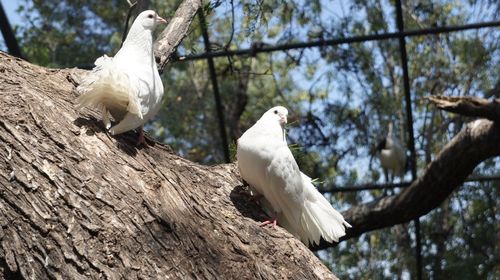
(267, 165)
(392, 156)
(128, 85)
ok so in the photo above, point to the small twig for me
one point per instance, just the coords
(228, 44)
(129, 14)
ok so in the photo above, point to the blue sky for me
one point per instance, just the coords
(10, 7)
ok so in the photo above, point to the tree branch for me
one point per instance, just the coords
(77, 203)
(468, 106)
(176, 30)
(477, 142)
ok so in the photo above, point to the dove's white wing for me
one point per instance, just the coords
(306, 212)
(393, 157)
(319, 218)
(109, 87)
(270, 169)
(401, 159)
(147, 97)
(267, 164)
(285, 191)
(128, 86)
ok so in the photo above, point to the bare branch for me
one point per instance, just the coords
(77, 203)
(468, 106)
(477, 142)
(176, 30)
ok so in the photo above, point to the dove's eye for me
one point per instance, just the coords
(150, 16)
(276, 112)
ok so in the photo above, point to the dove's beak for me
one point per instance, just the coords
(283, 119)
(160, 20)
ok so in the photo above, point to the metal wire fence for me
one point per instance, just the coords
(401, 35)
(259, 47)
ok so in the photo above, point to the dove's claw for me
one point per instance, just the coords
(271, 222)
(253, 197)
(105, 119)
(256, 197)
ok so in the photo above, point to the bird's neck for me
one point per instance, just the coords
(272, 130)
(139, 42)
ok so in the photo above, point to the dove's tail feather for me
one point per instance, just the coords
(108, 87)
(320, 219)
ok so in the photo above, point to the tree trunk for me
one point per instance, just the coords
(77, 203)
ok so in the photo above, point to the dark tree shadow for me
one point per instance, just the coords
(126, 142)
(91, 123)
(248, 207)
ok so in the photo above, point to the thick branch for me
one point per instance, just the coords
(468, 106)
(77, 203)
(474, 144)
(176, 30)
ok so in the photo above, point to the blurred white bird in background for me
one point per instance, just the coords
(392, 156)
(268, 166)
(128, 85)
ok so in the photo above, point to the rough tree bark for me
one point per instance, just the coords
(77, 203)
(469, 106)
(176, 30)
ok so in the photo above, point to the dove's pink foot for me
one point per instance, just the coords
(271, 222)
(140, 139)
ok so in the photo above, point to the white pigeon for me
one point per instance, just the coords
(392, 156)
(267, 165)
(128, 85)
